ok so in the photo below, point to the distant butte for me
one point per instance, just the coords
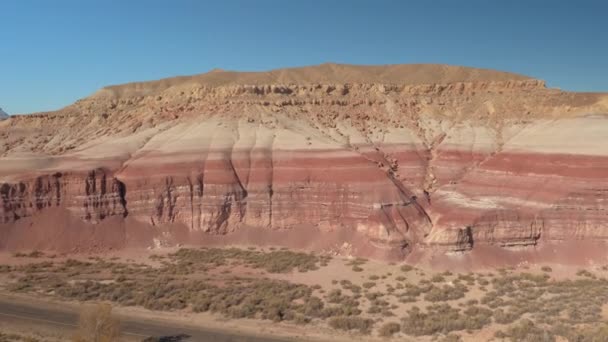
(401, 162)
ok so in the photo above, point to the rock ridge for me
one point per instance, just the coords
(394, 170)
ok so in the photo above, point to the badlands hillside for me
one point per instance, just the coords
(393, 162)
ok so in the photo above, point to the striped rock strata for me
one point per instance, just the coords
(397, 158)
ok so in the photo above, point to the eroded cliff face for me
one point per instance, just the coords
(91, 196)
(444, 167)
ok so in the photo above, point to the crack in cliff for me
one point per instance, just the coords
(406, 196)
(271, 181)
(429, 175)
(239, 200)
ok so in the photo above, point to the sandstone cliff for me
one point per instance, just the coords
(396, 158)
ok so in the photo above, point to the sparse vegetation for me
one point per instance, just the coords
(406, 268)
(364, 326)
(442, 318)
(6, 337)
(275, 261)
(389, 329)
(440, 304)
(526, 330)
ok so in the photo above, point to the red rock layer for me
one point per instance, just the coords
(388, 170)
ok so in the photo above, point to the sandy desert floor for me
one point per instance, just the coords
(279, 292)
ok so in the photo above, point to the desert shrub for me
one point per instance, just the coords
(374, 309)
(437, 278)
(406, 268)
(389, 329)
(334, 296)
(472, 302)
(374, 277)
(97, 324)
(483, 282)
(445, 293)
(546, 269)
(356, 264)
(442, 318)
(502, 317)
(32, 254)
(372, 296)
(582, 334)
(451, 338)
(275, 261)
(352, 323)
(526, 331)
(4, 337)
(369, 284)
(585, 273)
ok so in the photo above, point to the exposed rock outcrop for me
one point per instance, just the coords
(404, 157)
(92, 196)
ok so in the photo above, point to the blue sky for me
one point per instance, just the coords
(55, 52)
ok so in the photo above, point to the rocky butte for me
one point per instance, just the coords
(415, 162)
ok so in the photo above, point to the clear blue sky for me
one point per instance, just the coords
(54, 52)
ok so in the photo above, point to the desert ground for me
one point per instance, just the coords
(293, 295)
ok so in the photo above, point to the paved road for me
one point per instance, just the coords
(12, 310)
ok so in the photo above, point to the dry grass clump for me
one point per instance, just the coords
(406, 268)
(6, 337)
(582, 334)
(356, 264)
(348, 285)
(437, 278)
(352, 323)
(585, 273)
(32, 254)
(275, 261)
(505, 317)
(443, 319)
(445, 293)
(97, 324)
(526, 330)
(389, 329)
(369, 284)
(265, 299)
(347, 305)
(451, 338)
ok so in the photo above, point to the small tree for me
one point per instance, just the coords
(97, 325)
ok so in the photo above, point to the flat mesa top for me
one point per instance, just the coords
(329, 73)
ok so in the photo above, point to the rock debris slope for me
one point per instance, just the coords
(382, 160)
